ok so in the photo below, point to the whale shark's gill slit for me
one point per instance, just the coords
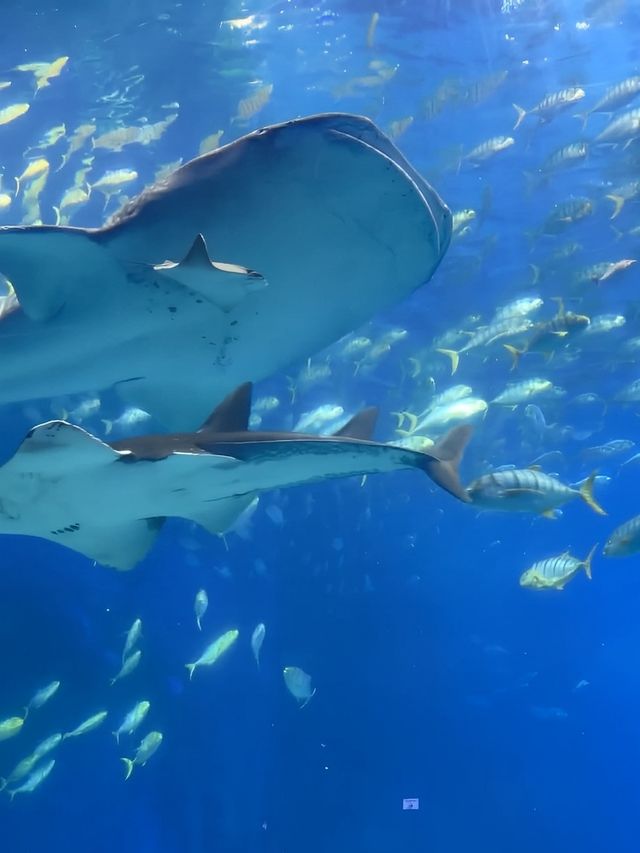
(71, 528)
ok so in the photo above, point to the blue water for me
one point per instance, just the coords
(437, 676)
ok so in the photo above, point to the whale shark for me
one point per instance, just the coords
(108, 501)
(241, 262)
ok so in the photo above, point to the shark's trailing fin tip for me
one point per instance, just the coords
(444, 460)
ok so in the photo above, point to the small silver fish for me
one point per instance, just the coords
(257, 639)
(298, 683)
(200, 606)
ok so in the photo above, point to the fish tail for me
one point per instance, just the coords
(618, 204)
(191, 667)
(586, 493)
(3, 783)
(515, 354)
(520, 116)
(587, 562)
(416, 367)
(128, 763)
(26, 712)
(453, 356)
(413, 421)
(198, 624)
(308, 699)
(116, 736)
(583, 117)
(371, 29)
(442, 461)
(108, 426)
(535, 272)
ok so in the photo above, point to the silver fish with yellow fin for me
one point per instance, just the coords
(625, 539)
(214, 650)
(528, 490)
(298, 683)
(556, 572)
(148, 745)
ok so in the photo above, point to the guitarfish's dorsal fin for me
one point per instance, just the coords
(232, 414)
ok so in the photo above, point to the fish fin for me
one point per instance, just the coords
(442, 461)
(120, 546)
(583, 117)
(618, 204)
(535, 271)
(587, 561)
(453, 356)
(55, 447)
(116, 736)
(400, 416)
(413, 421)
(198, 255)
(515, 354)
(549, 513)
(586, 493)
(47, 266)
(128, 763)
(191, 668)
(108, 426)
(534, 467)
(232, 414)
(521, 114)
(306, 701)
(3, 783)
(416, 366)
(217, 517)
(360, 426)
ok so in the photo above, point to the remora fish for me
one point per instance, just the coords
(325, 209)
(108, 501)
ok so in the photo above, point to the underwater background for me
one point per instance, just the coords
(511, 713)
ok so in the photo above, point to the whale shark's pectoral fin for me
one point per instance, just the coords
(225, 285)
(50, 267)
(119, 546)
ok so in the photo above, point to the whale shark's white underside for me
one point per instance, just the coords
(311, 228)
